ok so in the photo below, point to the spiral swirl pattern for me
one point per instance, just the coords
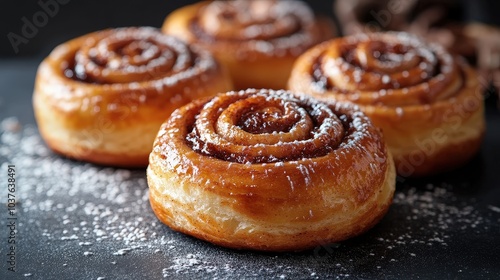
(130, 55)
(261, 25)
(269, 170)
(258, 41)
(259, 128)
(264, 126)
(414, 91)
(393, 69)
(95, 93)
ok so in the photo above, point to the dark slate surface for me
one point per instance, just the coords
(80, 221)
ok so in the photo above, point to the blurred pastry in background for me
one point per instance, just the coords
(468, 28)
(428, 102)
(258, 41)
(487, 40)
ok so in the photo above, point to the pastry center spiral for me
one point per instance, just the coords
(388, 64)
(248, 20)
(266, 120)
(263, 127)
(129, 55)
(269, 27)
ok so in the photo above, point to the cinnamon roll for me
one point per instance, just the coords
(427, 102)
(257, 40)
(269, 170)
(102, 97)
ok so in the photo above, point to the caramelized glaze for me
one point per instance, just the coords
(408, 87)
(264, 36)
(321, 166)
(267, 27)
(93, 92)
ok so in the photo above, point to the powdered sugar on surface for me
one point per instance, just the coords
(96, 221)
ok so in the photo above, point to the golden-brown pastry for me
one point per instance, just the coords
(257, 40)
(433, 20)
(428, 103)
(268, 170)
(102, 97)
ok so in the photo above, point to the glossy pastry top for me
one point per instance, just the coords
(274, 28)
(128, 55)
(268, 146)
(265, 129)
(118, 70)
(127, 58)
(102, 97)
(389, 69)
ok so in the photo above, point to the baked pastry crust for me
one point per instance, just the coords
(267, 170)
(103, 96)
(257, 41)
(428, 103)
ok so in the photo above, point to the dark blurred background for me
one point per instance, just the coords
(61, 20)
(76, 17)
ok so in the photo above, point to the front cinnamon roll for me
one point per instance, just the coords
(269, 170)
(103, 96)
(428, 103)
(257, 40)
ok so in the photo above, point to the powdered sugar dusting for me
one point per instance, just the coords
(368, 66)
(93, 217)
(494, 208)
(272, 28)
(431, 208)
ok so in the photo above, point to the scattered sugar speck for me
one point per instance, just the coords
(108, 208)
(494, 208)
